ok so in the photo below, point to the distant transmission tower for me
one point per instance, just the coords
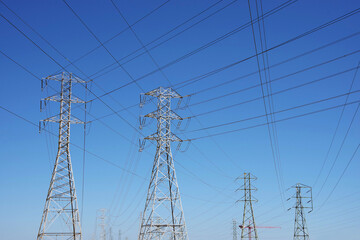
(235, 230)
(163, 216)
(248, 227)
(60, 219)
(102, 223)
(303, 196)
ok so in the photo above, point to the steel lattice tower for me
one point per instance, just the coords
(60, 219)
(235, 230)
(303, 196)
(163, 216)
(248, 227)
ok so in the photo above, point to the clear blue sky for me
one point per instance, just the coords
(206, 172)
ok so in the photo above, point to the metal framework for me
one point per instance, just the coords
(163, 216)
(235, 230)
(303, 196)
(101, 218)
(248, 227)
(60, 218)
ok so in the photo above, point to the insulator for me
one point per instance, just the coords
(178, 125)
(179, 102)
(142, 100)
(186, 124)
(178, 146)
(142, 144)
(186, 147)
(41, 106)
(141, 122)
(39, 126)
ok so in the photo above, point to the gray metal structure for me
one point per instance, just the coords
(101, 218)
(163, 216)
(235, 230)
(303, 196)
(248, 227)
(60, 218)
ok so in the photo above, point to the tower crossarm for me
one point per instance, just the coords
(169, 137)
(65, 75)
(171, 115)
(57, 98)
(163, 92)
(57, 119)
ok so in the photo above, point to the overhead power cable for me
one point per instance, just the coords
(336, 129)
(341, 176)
(320, 27)
(274, 80)
(119, 33)
(277, 92)
(339, 151)
(279, 63)
(253, 73)
(165, 40)
(279, 120)
(141, 19)
(276, 112)
(276, 9)
(208, 74)
(264, 99)
(75, 145)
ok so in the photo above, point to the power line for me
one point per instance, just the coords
(77, 146)
(280, 120)
(339, 151)
(276, 9)
(337, 127)
(277, 112)
(252, 73)
(208, 74)
(341, 176)
(279, 63)
(271, 137)
(165, 34)
(277, 92)
(121, 32)
(322, 26)
(274, 80)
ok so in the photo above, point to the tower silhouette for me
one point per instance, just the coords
(163, 216)
(303, 196)
(60, 218)
(248, 227)
(235, 230)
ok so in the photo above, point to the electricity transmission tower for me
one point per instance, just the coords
(303, 196)
(102, 223)
(163, 216)
(60, 219)
(235, 228)
(248, 222)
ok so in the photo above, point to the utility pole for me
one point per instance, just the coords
(119, 236)
(303, 196)
(60, 218)
(248, 222)
(235, 232)
(163, 216)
